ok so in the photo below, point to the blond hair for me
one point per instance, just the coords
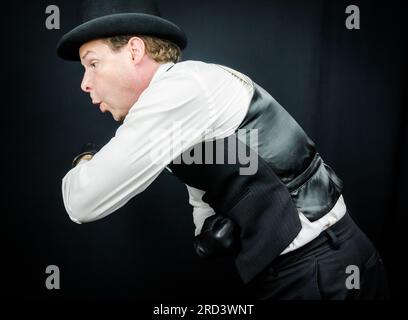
(159, 50)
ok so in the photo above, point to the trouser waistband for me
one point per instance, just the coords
(330, 237)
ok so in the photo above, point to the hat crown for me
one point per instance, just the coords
(108, 18)
(92, 9)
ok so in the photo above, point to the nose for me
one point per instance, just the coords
(85, 84)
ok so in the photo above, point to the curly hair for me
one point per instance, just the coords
(160, 50)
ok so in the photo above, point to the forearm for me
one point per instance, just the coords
(95, 188)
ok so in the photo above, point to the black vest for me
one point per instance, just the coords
(290, 177)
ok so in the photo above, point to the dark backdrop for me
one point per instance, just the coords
(346, 88)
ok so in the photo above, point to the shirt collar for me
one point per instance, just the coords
(161, 70)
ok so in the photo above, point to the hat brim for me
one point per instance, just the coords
(118, 24)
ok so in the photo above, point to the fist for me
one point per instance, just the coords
(87, 152)
(219, 237)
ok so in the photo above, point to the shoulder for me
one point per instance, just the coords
(188, 70)
(186, 78)
(181, 84)
(195, 69)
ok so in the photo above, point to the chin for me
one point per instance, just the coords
(118, 118)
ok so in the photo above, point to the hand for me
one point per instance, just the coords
(86, 157)
(87, 152)
(219, 237)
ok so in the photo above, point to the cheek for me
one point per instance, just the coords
(105, 84)
(124, 71)
(115, 85)
(123, 83)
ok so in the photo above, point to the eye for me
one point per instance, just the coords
(93, 64)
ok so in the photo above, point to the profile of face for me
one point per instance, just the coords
(116, 79)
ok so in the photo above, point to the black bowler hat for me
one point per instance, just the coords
(107, 18)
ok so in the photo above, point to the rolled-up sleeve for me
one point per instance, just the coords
(170, 116)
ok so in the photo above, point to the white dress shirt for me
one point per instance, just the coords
(193, 102)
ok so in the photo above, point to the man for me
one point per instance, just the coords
(280, 212)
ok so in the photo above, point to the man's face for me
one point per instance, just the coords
(110, 78)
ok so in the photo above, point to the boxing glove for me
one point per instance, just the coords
(219, 237)
(88, 148)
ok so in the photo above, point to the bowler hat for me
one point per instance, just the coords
(107, 18)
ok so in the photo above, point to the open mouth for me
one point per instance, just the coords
(99, 104)
(101, 107)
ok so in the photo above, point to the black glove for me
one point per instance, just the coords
(88, 148)
(219, 237)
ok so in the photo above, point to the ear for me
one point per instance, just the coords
(137, 49)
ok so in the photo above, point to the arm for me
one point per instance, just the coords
(143, 145)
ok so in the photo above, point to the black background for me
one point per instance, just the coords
(346, 88)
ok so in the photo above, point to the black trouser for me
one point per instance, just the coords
(341, 263)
